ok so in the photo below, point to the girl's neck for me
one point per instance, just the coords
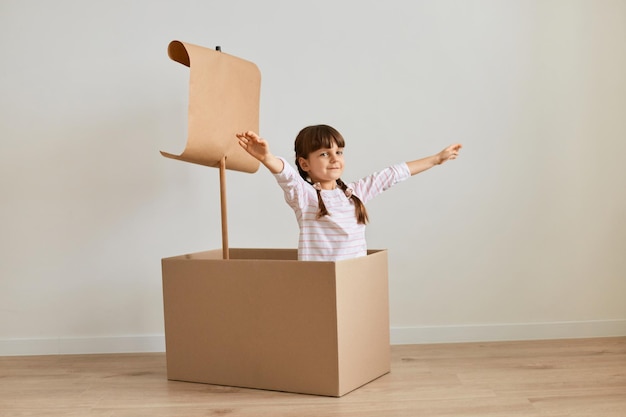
(325, 185)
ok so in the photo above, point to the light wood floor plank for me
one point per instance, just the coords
(556, 378)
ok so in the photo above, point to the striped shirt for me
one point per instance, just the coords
(338, 235)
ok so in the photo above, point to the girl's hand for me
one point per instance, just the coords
(451, 152)
(260, 149)
(254, 145)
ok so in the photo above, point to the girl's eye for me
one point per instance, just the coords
(339, 152)
(324, 154)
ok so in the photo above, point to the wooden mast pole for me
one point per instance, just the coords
(225, 252)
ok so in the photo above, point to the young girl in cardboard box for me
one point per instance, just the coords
(331, 214)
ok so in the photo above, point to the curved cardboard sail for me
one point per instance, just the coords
(224, 94)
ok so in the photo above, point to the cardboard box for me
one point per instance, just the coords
(263, 319)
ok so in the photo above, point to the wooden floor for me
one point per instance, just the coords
(540, 378)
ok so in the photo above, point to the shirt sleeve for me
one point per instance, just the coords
(374, 184)
(292, 184)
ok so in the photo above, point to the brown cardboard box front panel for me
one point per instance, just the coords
(245, 322)
(264, 320)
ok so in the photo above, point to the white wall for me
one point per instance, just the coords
(524, 236)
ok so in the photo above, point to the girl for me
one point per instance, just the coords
(331, 214)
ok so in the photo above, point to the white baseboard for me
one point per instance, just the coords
(399, 336)
(506, 332)
(82, 345)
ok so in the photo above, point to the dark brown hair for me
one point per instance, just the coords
(312, 138)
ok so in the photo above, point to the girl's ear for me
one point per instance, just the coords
(304, 164)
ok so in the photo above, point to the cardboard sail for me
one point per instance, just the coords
(224, 95)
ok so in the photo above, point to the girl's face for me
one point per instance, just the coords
(324, 166)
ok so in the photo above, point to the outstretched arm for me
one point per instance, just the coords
(420, 165)
(260, 149)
